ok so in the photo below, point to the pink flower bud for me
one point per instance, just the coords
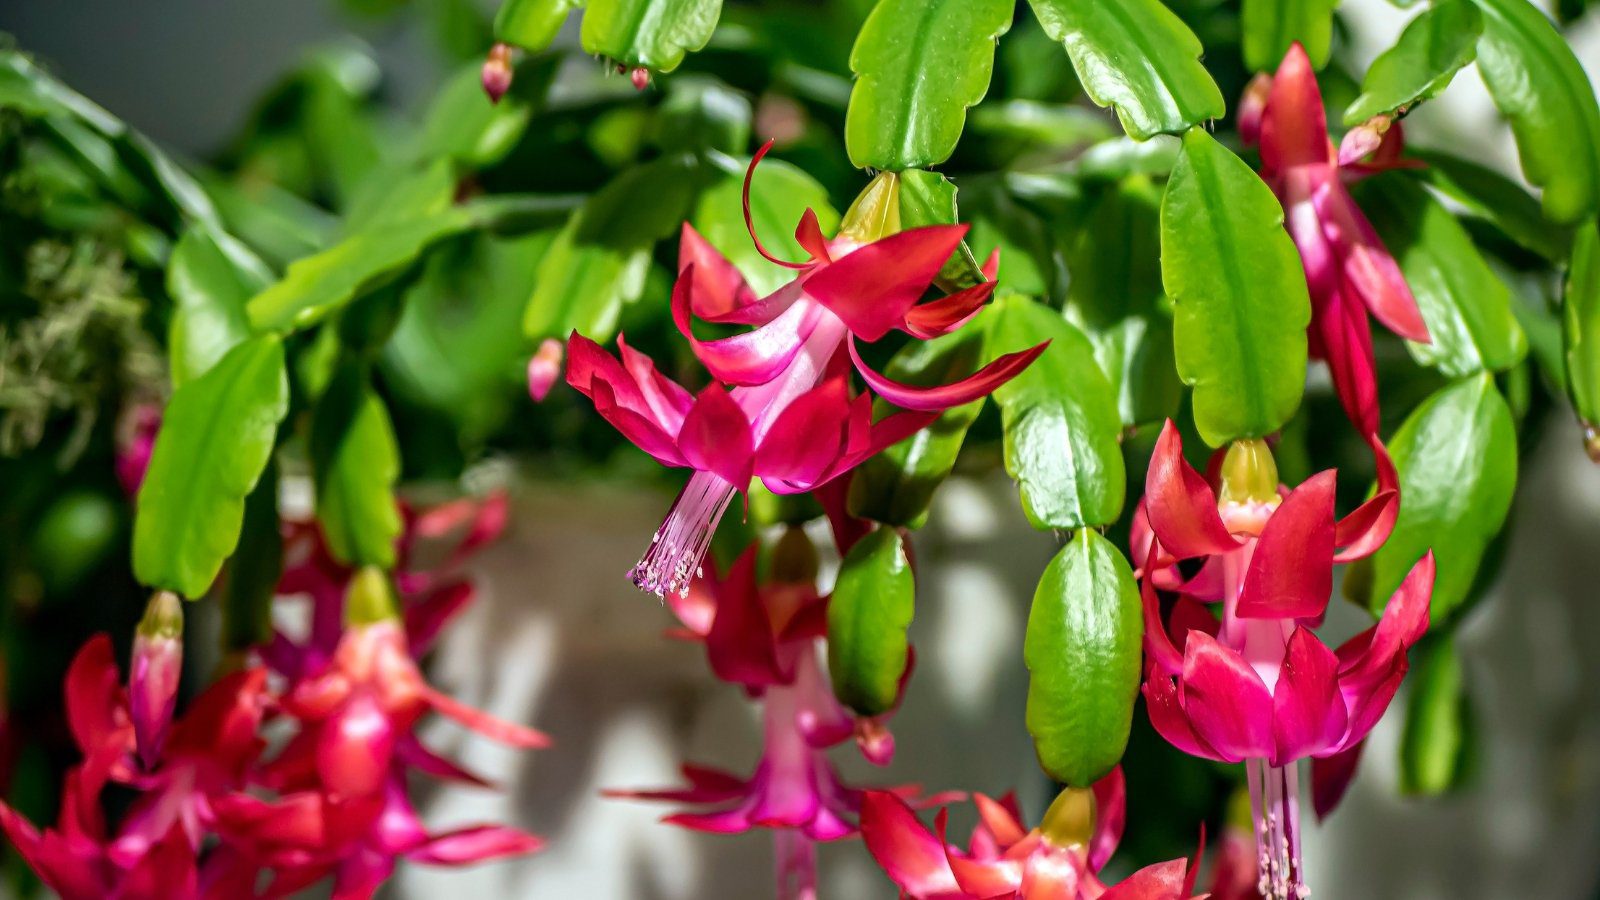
(544, 368)
(153, 681)
(640, 76)
(497, 72)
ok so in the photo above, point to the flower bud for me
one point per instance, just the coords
(153, 679)
(640, 76)
(497, 72)
(544, 368)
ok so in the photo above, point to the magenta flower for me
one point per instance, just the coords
(765, 638)
(781, 407)
(1348, 270)
(1258, 686)
(1059, 860)
(136, 440)
(544, 367)
(153, 852)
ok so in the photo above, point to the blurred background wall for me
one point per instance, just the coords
(561, 640)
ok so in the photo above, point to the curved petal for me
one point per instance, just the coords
(1161, 881)
(639, 430)
(1225, 700)
(1404, 621)
(716, 437)
(1294, 126)
(1291, 572)
(808, 234)
(873, 288)
(754, 357)
(716, 290)
(1361, 533)
(632, 384)
(492, 727)
(474, 844)
(942, 316)
(1111, 816)
(807, 436)
(740, 644)
(1181, 506)
(1331, 777)
(1159, 648)
(910, 854)
(1308, 714)
(1000, 820)
(979, 384)
(1367, 267)
(1342, 331)
(1166, 713)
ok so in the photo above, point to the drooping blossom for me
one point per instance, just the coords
(781, 407)
(153, 851)
(342, 807)
(1348, 270)
(765, 637)
(1258, 686)
(1059, 860)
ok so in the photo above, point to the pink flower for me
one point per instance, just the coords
(1259, 686)
(766, 638)
(157, 665)
(1059, 860)
(544, 367)
(136, 440)
(781, 407)
(1348, 270)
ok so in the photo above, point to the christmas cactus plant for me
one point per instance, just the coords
(1131, 254)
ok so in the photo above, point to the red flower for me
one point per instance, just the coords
(781, 407)
(1059, 860)
(1259, 686)
(1348, 270)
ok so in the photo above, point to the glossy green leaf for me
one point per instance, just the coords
(210, 277)
(779, 195)
(1488, 195)
(1116, 297)
(1138, 57)
(928, 198)
(1434, 744)
(1457, 457)
(1270, 26)
(355, 461)
(1431, 50)
(532, 24)
(654, 34)
(1538, 84)
(1060, 419)
(1580, 332)
(1466, 307)
(316, 286)
(896, 486)
(216, 437)
(275, 223)
(871, 608)
(1082, 649)
(599, 260)
(1240, 306)
(919, 65)
(254, 570)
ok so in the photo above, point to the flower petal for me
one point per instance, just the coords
(754, 357)
(1291, 572)
(492, 727)
(807, 436)
(1368, 268)
(1181, 506)
(1166, 713)
(717, 292)
(1294, 126)
(716, 437)
(1331, 777)
(942, 316)
(1111, 816)
(1226, 701)
(634, 384)
(474, 844)
(1361, 533)
(808, 234)
(1161, 881)
(1308, 714)
(740, 644)
(1370, 655)
(1159, 648)
(874, 287)
(1345, 338)
(910, 854)
(941, 397)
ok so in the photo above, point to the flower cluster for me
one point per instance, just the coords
(220, 812)
(766, 636)
(781, 406)
(1348, 270)
(1256, 685)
